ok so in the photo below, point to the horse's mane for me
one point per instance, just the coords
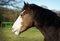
(45, 16)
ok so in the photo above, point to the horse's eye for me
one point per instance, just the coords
(22, 14)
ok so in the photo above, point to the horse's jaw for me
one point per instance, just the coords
(17, 25)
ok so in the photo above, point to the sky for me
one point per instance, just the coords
(51, 4)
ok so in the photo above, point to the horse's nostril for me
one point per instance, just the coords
(13, 30)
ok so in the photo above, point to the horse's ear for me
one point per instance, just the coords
(25, 3)
(28, 5)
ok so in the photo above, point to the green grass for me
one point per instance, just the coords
(30, 35)
(7, 22)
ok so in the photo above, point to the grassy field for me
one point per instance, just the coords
(30, 35)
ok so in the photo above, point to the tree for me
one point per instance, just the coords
(12, 3)
(6, 12)
(4, 2)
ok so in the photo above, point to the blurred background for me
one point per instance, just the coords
(10, 10)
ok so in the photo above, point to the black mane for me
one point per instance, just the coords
(44, 16)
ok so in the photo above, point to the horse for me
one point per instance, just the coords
(45, 20)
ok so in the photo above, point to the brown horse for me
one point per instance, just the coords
(43, 19)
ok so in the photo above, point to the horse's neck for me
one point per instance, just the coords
(57, 22)
(50, 33)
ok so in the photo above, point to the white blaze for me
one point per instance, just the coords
(16, 26)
